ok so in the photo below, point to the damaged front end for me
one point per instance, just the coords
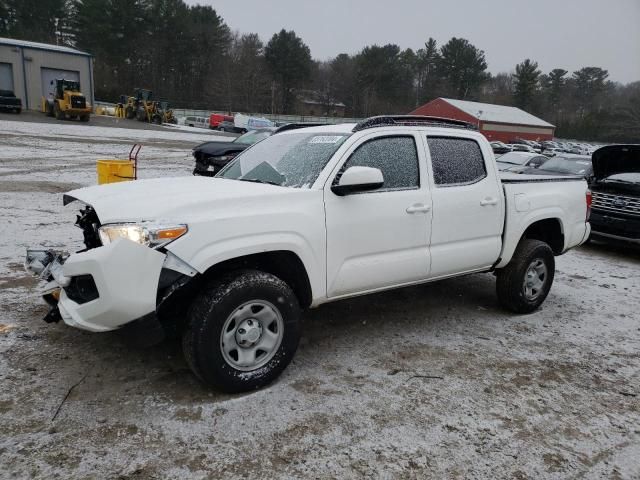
(114, 283)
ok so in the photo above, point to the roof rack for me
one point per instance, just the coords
(296, 126)
(412, 121)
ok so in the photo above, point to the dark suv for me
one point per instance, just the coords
(615, 212)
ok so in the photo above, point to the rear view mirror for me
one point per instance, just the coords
(358, 179)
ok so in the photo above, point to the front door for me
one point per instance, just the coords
(380, 238)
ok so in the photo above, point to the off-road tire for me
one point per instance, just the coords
(510, 279)
(206, 318)
(84, 118)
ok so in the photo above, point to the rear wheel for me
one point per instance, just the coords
(243, 331)
(525, 282)
(84, 118)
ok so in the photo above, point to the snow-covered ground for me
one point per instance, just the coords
(434, 381)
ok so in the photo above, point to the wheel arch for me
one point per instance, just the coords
(548, 230)
(284, 264)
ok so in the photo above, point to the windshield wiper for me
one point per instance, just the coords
(509, 163)
(618, 180)
(255, 180)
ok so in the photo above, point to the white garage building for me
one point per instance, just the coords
(27, 69)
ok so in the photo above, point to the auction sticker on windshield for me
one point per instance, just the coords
(326, 139)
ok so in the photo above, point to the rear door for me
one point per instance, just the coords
(379, 238)
(468, 206)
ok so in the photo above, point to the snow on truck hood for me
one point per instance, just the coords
(614, 159)
(176, 199)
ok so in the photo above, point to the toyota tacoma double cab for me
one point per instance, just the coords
(302, 218)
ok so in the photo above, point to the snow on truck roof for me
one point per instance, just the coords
(42, 46)
(488, 112)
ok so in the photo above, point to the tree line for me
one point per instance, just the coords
(190, 56)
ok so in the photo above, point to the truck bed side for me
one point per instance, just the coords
(552, 205)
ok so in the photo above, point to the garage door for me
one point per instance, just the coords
(6, 76)
(50, 74)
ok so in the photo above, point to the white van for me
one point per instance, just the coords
(201, 122)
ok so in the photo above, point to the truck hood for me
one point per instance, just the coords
(174, 199)
(614, 159)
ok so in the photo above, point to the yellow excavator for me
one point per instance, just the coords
(66, 101)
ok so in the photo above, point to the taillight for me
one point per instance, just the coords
(589, 199)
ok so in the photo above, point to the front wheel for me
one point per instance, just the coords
(58, 113)
(243, 331)
(525, 282)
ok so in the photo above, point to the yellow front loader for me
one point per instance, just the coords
(67, 101)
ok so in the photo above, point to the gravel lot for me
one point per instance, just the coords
(434, 381)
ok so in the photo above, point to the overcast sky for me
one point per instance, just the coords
(567, 34)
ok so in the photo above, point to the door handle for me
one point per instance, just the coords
(418, 208)
(489, 201)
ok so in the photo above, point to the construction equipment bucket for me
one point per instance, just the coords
(111, 171)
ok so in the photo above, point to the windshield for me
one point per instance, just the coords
(288, 160)
(630, 177)
(564, 165)
(514, 158)
(252, 137)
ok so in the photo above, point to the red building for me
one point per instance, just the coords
(496, 122)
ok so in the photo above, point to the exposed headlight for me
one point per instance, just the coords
(148, 235)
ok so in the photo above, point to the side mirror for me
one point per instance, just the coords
(358, 179)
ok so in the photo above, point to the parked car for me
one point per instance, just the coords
(499, 147)
(230, 127)
(9, 102)
(215, 119)
(519, 161)
(200, 122)
(303, 218)
(520, 147)
(564, 164)
(212, 156)
(552, 152)
(615, 211)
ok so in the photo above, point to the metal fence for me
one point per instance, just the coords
(181, 112)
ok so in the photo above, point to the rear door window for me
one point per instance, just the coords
(456, 161)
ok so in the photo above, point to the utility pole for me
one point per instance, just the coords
(57, 32)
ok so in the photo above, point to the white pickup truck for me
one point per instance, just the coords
(303, 218)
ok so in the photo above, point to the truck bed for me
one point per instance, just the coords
(508, 177)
